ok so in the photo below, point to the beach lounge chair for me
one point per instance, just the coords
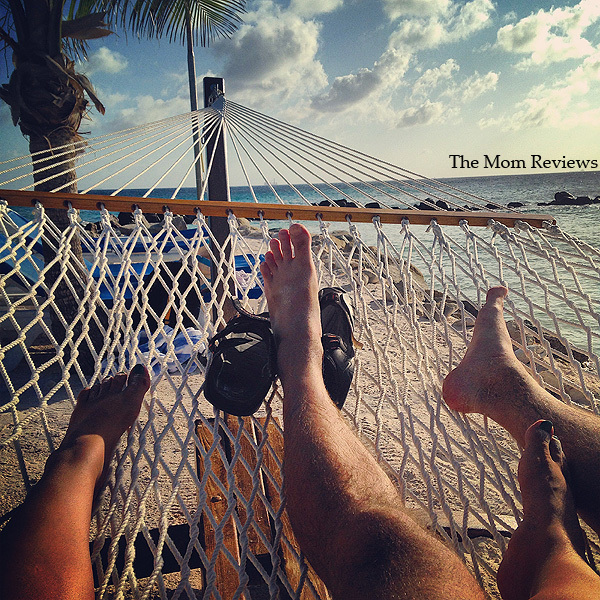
(22, 262)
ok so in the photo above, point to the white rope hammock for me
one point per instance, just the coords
(415, 289)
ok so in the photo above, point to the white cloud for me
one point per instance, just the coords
(104, 60)
(456, 23)
(350, 90)
(551, 36)
(561, 105)
(416, 8)
(125, 111)
(347, 91)
(311, 8)
(425, 114)
(415, 34)
(433, 77)
(470, 18)
(373, 91)
(442, 81)
(274, 52)
(464, 91)
(476, 85)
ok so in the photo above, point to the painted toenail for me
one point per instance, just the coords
(547, 426)
(138, 370)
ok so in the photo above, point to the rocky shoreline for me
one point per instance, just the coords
(567, 199)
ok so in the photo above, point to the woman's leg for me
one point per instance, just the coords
(545, 557)
(44, 549)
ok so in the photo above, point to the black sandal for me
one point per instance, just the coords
(243, 364)
(338, 352)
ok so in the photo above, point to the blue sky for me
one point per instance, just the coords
(410, 81)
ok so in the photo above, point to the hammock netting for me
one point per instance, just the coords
(196, 495)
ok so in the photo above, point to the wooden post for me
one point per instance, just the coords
(218, 189)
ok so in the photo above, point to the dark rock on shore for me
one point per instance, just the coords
(515, 204)
(372, 205)
(424, 206)
(93, 228)
(470, 308)
(126, 218)
(346, 203)
(567, 199)
(556, 344)
(564, 196)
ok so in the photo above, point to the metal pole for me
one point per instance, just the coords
(193, 101)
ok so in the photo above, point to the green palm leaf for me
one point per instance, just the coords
(209, 19)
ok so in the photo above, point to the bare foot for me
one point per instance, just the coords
(549, 537)
(478, 383)
(291, 288)
(103, 413)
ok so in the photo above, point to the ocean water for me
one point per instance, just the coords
(582, 222)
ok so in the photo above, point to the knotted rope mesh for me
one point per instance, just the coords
(194, 507)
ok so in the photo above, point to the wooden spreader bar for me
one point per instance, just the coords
(252, 210)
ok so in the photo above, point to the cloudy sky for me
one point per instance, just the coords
(410, 81)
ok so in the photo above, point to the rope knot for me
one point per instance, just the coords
(39, 212)
(432, 225)
(73, 214)
(137, 216)
(522, 226)
(551, 227)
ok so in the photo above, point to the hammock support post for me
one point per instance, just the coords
(218, 184)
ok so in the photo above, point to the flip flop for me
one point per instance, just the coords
(338, 352)
(243, 364)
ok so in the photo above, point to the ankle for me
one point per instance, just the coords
(84, 453)
(546, 536)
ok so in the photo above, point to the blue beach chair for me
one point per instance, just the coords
(24, 263)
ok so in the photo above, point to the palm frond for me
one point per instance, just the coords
(210, 19)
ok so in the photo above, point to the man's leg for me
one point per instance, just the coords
(345, 512)
(491, 380)
(44, 549)
(544, 559)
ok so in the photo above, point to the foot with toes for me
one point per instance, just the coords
(546, 553)
(291, 289)
(103, 413)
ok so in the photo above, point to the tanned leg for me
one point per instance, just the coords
(45, 547)
(345, 512)
(544, 559)
(491, 380)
